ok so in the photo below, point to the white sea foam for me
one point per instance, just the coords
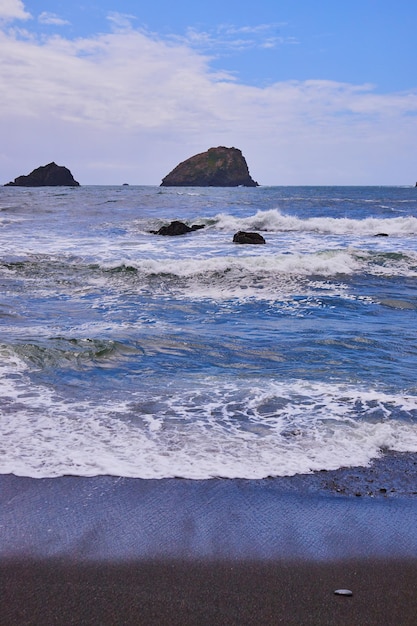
(215, 429)
(275, 221)
(328, 263)
(271, 276)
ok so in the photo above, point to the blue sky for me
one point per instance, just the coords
(312, 91)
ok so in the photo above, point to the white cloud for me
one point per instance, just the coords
(13, 10)
(126, 106)
(52, 19)
(229, 37)
(121, 21)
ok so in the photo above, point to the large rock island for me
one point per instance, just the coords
(51, 175)
(218, 167)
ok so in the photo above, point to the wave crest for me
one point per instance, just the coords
(275, 221)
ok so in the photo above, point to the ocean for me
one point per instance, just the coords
(131, 354)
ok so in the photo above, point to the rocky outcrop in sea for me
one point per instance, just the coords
(248, 238)
(51, 175)
(218, 167)
(177, 228)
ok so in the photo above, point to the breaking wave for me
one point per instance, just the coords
(275, 221)
(214, 429)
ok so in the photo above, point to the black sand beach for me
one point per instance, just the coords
(107, 550)
(46, 593)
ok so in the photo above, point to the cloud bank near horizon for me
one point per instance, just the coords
(127, 106)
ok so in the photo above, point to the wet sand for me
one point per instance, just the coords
(108, 550)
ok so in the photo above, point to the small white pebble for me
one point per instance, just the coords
(343, 592)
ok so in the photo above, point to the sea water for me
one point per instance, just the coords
(133, 354)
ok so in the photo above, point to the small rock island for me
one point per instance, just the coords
(218, 167)
(51, 175)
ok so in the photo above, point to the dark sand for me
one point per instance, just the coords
(384, 593)
(108, 550)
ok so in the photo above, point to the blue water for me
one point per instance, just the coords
(132, 354)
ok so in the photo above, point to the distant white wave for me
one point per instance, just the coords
(246, 274)
(265, 277)
(327, 263)
(275, 221)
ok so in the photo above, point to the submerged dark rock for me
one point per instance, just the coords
(176, 228)
(51, 175)
(218, 167)
(251, 238)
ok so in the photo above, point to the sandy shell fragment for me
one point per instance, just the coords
(343, 592)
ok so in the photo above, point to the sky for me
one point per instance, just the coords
(314, 92)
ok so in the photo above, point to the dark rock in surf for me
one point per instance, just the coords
(251, 238)
(218, 167)
(173, 229)
(381, 235)
(176, 228)
(51, 175)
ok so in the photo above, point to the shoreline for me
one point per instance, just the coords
(351, 512)
(108, 550)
